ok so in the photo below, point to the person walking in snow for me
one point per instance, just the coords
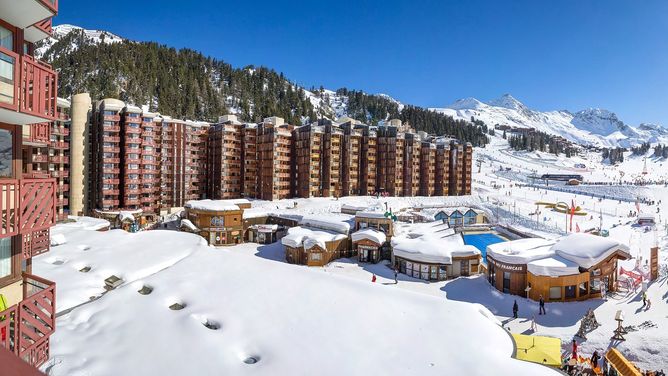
(574, 354)
(594, 359)
(396, 274)
(644, 298)
(515, 309)
(541, 306)
(373, 278)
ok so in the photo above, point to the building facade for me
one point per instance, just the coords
(28, 107)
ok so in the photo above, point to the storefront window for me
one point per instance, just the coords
(595, 287)
(442, 272)
(570, 292)
(555, 293)
(425, 271)
(434, 273)
(584, 288)
(5, 257)
(506, 282)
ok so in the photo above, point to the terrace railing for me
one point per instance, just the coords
(25, 328)
(38, 92)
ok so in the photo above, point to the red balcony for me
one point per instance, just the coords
(132, 130)
(60, 188)
(131, 201)
(111, 160)
(60, 131)
(111, 128)
(110, 202)
(110, 181)
(38, 92)
(111, 149)
(37, 174)
(60, 145)
(60, 159)
(60, 174)
(39, 158)
(114, 118)
(39, 134)
(27, 326)
(111, 139)
(27, 12)
(40, 30)
(27, 205)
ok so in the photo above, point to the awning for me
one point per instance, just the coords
(538, 349)
(622, 365)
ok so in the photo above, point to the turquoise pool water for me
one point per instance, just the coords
(481, 241)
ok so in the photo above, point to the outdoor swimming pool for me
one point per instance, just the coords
(481, 241)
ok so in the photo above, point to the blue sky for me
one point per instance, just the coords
(548, 54)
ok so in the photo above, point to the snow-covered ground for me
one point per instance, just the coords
(292, 320)
(334, 320)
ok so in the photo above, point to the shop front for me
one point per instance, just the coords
(508, 278)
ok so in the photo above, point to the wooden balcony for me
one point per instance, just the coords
(38, 158)
(27, 326)
(60, 159)
(60, 145)
(27, 205)
(60, 131)
(60, 174)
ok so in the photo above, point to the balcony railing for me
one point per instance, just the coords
(46, 26)
(25, 327)
(27, 206)
(39, 84)
(60, 145)
(39, 158)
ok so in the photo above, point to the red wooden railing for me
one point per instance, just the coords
(45, 25)
(39, 84)
(40, 132)
(35, 243)
(25, 328)
(38, 204)
(51, 4)
(9, 207)
(37, 319)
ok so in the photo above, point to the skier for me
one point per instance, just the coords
(541, 306)
(515, 309)
(373, 279)
(594, 359)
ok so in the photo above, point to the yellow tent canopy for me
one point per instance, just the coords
(621, 364)
(538, 349)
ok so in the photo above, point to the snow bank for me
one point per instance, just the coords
(335, 224)
(126, 333)
(58, 239)
(84, 223)
(187, 223)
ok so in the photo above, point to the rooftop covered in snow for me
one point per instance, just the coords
(431, 242)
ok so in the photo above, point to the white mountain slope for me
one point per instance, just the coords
(588, 127)
(91, 36)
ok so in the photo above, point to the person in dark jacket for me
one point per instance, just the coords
(594, 359)
(515, 309)
(541, 306)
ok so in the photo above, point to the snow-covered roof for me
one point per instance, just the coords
(374, 235)
(432, 242)
(521, 251)
(133, 109)
(212, 205)
(331, 223)
(126, 216)
(309, 237)
(187, 223)
(553, 266)
(353, 207)
(376, 214)
(588, 250)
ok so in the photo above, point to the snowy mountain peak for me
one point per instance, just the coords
(90, 36)
(601, 122)
(509, 102)
(469, 103)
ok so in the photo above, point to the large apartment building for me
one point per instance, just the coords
(28, 107)
(274, 159)
(225, 156)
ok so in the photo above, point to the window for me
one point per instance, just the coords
(584, 288)
(5, 257)
(6, 39)
(315, 256)
(6, 153)
(570, 292)
(506, 282)
(492, 274)
(555, 293)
